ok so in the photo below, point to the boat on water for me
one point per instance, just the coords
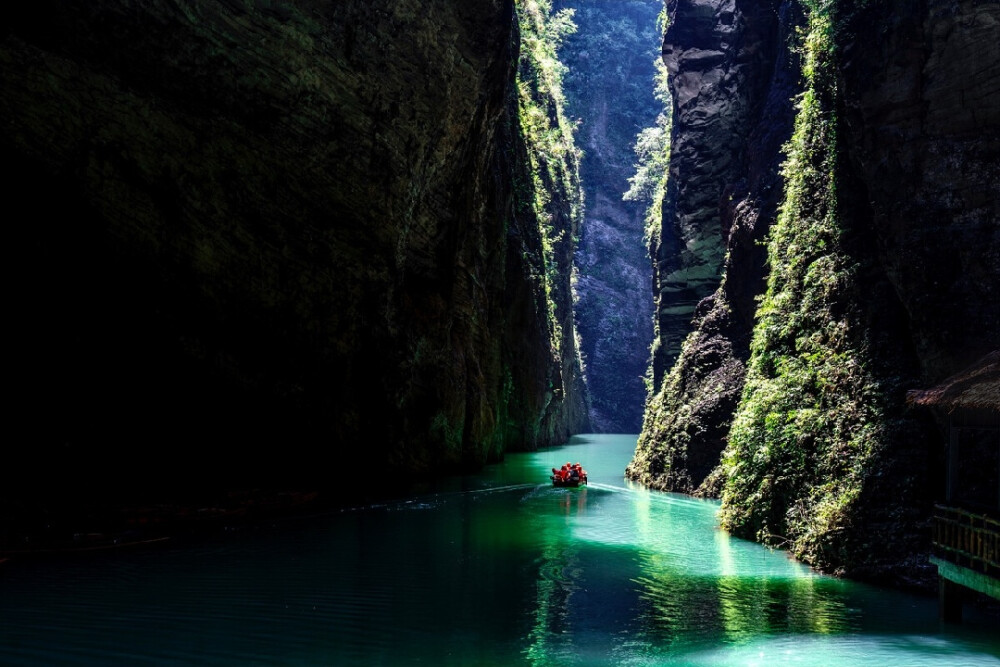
(570, 475)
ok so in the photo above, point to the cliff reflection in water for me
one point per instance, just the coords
(679, 579)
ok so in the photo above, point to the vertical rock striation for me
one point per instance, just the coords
(733, 77)
(257, 233)
(548, 212)
(921, 85)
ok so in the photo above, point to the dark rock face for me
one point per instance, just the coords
(255, 232)
(609, 88)
(720, 56)
(921, 87)
(733, 112)
(922, 90)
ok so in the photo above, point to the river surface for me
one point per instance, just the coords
(495, 569)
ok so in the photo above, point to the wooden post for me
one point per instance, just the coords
(950, 601)
(952, 460)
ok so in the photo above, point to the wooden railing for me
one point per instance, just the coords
(968, 540)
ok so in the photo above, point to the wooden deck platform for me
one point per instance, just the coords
(967, 554)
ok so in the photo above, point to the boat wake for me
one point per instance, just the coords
(433, 500)
(608, 487)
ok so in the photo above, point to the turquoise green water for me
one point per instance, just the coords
(495, 569)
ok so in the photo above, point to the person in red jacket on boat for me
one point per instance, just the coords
(569, 472)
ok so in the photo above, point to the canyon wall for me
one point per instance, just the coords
(880, 275)
(609, 89)
(248, 236)
(732, 79)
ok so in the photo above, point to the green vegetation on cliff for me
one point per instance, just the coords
(649, 182)
(806, 428)
(787, 397)
(548, 210)
(813, 462)
(555, 159)
(652, 150)
(556, 196)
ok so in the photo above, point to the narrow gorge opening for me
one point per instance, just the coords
(611, 62)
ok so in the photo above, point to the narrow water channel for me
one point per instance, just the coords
(495, 569)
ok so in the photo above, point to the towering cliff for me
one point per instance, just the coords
(610, 71)
(250, 234)
(881, 274)
(732, 78)
(549, 199)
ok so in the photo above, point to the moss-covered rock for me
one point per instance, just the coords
(819, 458)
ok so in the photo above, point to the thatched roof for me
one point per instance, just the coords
(978, 386)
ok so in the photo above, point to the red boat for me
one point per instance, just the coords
(570, 475)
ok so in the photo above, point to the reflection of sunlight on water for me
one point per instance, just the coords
(695, 581)
(684, 528)
(842, 651)
(497, 569)
(628, 576)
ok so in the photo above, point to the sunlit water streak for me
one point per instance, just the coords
(494, 569)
